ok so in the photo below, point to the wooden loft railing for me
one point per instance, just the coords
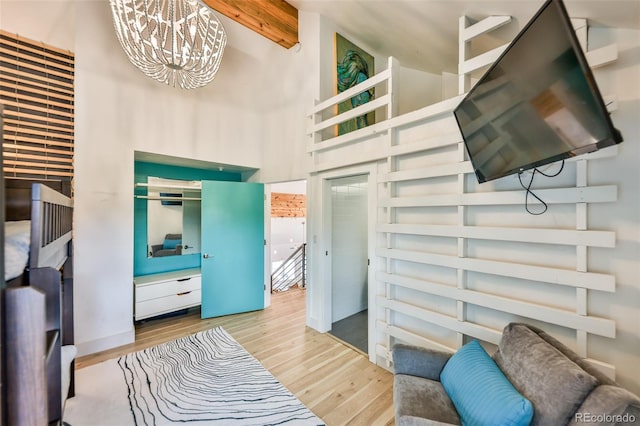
(324, 118)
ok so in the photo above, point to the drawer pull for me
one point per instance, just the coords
(184, 279)
(182, 294)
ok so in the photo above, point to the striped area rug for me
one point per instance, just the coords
(203, 379)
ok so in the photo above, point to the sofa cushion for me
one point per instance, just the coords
(615, 404)
(555, 385)
(171, 241)
(480, 392)
(420, 401)
(418, 361)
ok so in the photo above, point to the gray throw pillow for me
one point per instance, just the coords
(555, 385)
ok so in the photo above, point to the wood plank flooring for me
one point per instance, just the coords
(337, 383)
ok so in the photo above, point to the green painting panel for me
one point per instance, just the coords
(353, 66)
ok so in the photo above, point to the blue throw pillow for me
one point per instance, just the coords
(170, 244)
(481, 392)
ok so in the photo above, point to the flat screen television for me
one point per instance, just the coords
(537, 104)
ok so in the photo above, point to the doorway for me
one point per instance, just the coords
(349, 260)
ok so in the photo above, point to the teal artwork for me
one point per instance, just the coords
(354, 66)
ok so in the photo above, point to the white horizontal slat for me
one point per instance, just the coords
(439, 170)
(365, 133)
(353, 113)
(608, 152)
(568, 319)
(482, 27)
(395, 150)
(529, 235)
(581, 28)
(570, 278)
(384, 353)
(445, 321)
(605, 368)
(416, 118)
(429, 143)
(592, 194)
(602, 56)
(353, 91)
(481, 60)
(410, 337)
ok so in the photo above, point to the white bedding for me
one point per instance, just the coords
(17, 239)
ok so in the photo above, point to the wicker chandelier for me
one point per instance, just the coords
(177, 42)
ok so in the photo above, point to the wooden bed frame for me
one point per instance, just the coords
(38, 315)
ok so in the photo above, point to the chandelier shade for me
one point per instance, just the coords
(177, 42)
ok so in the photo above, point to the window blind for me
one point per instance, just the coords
(36, 89)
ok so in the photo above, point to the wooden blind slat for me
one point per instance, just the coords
(9, 154)
(14, 87)
(48, 127)
(48, 135)
(38, 51)
(11, 171)
(17, 97)
(23, 39)
(46, 150)
(28, 117)
(8, 137)
(22, 55)
(16, 75)
(25, 164)
(45, 110)
(46, 71)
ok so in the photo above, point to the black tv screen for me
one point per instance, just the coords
(537, 104)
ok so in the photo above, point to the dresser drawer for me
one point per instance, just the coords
(167, 288)
(166, 304)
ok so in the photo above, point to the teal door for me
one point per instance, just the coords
(232, 248)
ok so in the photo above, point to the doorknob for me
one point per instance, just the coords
(206, 256)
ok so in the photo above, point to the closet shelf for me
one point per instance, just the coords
(153, 197)
(196, 187)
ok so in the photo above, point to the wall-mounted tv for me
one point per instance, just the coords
(537, 104)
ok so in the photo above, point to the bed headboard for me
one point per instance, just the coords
(18, 195)
(51, 215)
(51, 223)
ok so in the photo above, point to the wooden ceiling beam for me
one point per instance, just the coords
(276, 20)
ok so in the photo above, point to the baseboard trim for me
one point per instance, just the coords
(109, 342)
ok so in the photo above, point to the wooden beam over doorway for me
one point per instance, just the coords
(276, 20)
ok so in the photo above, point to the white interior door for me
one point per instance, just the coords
(349, 246)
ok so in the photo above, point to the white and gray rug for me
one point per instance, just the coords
(203, 379)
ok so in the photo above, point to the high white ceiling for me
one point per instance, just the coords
(423, 34)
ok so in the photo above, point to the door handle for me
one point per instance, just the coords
(186, 247)
(206, 256)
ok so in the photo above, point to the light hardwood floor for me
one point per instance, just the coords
(337, 383)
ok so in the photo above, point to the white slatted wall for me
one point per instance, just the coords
(457, 260)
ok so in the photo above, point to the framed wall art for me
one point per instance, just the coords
(353, 66)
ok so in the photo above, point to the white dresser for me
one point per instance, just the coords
(166, 292)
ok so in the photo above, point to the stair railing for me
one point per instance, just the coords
(293, 271)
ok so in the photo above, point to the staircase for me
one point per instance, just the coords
(292, 272)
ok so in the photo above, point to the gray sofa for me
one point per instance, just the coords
(563, 388)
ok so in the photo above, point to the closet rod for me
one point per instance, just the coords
(147, 197)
